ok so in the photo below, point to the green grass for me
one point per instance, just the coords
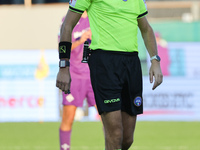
(89, 136)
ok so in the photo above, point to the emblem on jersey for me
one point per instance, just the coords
(72, 3)
(137, 101)
(69, 98)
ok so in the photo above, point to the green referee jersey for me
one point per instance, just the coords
(113, 22)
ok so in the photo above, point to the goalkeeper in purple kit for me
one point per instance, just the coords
(115, 68)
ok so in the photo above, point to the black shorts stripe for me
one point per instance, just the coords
(141, 15)
(76, 10)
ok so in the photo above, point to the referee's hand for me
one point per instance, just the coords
(155, 73)
(63, 80)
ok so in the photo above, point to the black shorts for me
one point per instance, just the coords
(117, 81)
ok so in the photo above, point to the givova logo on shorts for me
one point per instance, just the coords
(112, 101)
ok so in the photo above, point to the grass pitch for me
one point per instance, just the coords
(89, 136)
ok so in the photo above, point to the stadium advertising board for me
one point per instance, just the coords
(178, 98)
(27, 85)
(28, 92)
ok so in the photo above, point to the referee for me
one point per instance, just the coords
(115, 68)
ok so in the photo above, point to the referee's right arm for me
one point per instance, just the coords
(69, 23)
(63, 80)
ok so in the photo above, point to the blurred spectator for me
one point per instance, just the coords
(163, 52)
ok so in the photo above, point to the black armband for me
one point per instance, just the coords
(64, 49)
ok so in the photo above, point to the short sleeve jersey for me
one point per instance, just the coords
(113, 23)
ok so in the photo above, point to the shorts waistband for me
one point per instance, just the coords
(115, 52)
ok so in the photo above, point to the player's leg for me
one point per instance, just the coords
(67, 117)
(107, 74)
(129, 123)
(112, 126)
(90, 95)
(70, 103)
(112, 122)
(66, 126)
(131, 100)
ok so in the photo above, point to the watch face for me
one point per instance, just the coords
(157, 57)
(63, 63)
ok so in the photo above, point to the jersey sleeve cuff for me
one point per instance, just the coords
(76, 10)
(142, 15)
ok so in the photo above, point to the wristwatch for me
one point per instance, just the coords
(64, 63)
(156, 57)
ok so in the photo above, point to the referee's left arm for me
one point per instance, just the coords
(150, 43)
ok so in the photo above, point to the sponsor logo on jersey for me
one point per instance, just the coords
(137, 101)
(69, 98)
(78, 34)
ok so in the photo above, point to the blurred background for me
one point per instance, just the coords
(29, 65)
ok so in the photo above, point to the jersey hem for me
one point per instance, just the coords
(116, 51)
